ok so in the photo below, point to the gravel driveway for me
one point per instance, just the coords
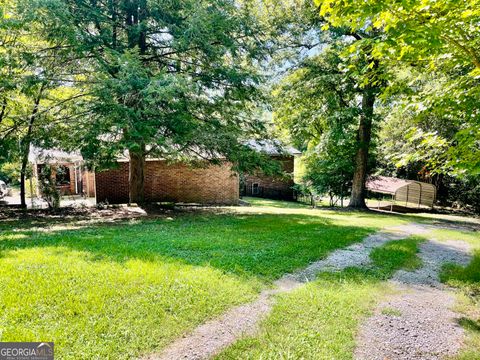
(417, 322)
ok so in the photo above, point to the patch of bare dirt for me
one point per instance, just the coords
(207, 339)
(415, 324)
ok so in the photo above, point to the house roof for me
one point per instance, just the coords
(272, 147)
(53, 156)
(57, 156)
(386, 184)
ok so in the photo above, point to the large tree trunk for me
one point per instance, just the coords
(137, 176)
(357, 199)
(23, 172)
(25, 146)
(136, 13)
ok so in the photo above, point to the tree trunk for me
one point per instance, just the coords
(357, 199)
(136, 14)
(23, 171)
(137, 176)
(3, 109)
(25, 146)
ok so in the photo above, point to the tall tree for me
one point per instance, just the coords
(441, 38)
(322, 106)
(358, 62)
(175, 80)
(369, 70)
(29, 85)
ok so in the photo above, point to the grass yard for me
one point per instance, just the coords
(123, 289)
(320, 320)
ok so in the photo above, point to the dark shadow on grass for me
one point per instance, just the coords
(259, 245)
(469, 324)
(25, 219)
(28, 219)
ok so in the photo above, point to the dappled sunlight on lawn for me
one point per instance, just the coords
(130, 286)
(470, 237)
(353, 217)
(451, 218)
(265, 246)
(340, 217)
(71, 298)
(13, 236)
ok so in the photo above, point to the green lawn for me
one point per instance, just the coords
(123, 289)
(321, 319)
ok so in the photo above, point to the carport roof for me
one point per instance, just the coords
(386, 184)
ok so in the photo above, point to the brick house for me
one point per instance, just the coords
(175, 182)
(71, 176)
(166, 181)
(272, 187)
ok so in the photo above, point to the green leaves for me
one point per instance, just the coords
(173, 76)
(318, 105)
(436, 37)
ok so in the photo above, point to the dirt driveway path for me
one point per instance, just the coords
(215, 335)
(418, 321)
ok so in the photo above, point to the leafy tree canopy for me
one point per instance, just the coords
(439, 37)
(171, 79)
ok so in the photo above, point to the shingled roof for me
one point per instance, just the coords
(53, 156)
(272, 147)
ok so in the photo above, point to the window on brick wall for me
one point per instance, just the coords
(255, 189)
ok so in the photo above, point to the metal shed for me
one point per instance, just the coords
(409, 192)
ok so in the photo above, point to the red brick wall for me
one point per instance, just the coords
(172, 182)
(273, 186)
(112, 185)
